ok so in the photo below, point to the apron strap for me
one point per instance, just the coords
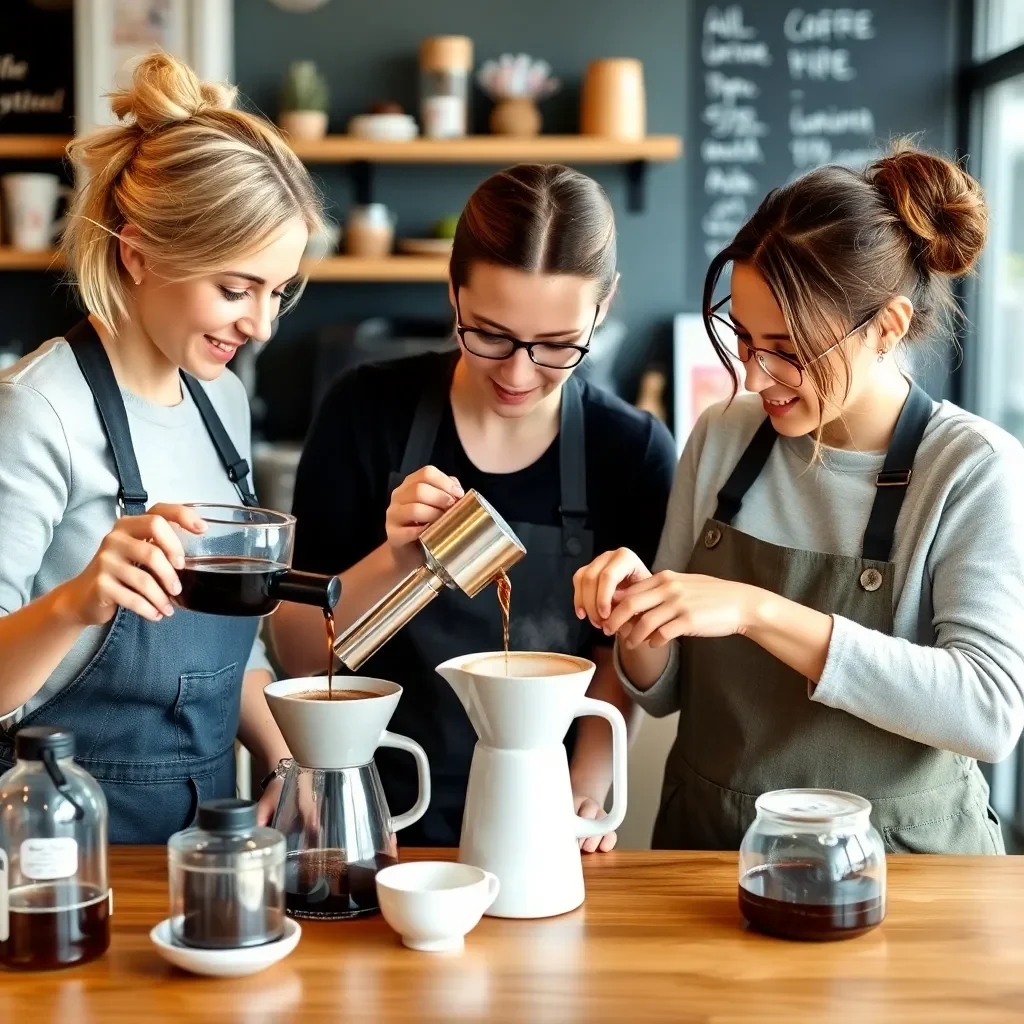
(572, 460)
(746, 471)
(237, 468)
(891, 484)
(572, 452)
(92, 360)
(99, 375)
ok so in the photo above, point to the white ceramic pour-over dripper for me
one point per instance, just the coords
(520, 823)
(332, 734)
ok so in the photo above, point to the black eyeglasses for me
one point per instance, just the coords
(782, 367)
(555, 355)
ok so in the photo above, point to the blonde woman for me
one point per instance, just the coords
(184, 243)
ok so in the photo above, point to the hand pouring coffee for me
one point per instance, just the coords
(469, 547)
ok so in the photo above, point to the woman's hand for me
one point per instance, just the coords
(134, 568)
(673, 604)
(599, 586)
(588, 808)
(419, 500)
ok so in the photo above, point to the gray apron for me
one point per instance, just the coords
(155, 712)
(747, 724)
(542, 617)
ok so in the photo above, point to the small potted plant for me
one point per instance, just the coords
(516, 83)
(304, 102)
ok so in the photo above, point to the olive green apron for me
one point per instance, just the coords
(746, 722)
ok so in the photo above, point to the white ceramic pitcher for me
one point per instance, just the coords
(519, 822)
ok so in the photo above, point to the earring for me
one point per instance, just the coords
(881, 355)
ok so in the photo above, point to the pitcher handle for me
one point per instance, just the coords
(418, 809)
(586, 827)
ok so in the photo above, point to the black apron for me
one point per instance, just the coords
(746, 724)
(542, 618)
(155, 712)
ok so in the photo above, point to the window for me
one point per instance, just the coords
(1000, 27)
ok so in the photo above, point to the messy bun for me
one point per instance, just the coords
(942, 206)
(837, 244)
(165, 90)
(204, 184)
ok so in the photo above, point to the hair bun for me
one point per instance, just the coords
(940, 204)
(164, 90)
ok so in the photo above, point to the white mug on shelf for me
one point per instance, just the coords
(31, 208)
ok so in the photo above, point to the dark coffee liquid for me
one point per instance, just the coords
(219, 911)
(337, 695)
(319, 885)
(228, 585)
(797, 901)
(41, 939)
(504, 585)
(329, 623)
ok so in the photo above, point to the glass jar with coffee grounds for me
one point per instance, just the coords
(226, 879)
(812, 866)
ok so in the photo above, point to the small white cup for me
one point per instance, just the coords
(31, 201)
(434, 904)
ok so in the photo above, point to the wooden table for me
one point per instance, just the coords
(659, 939)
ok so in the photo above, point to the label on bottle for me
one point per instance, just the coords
(3, 896)
(43, 859)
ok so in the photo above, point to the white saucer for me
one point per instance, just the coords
(224, 963)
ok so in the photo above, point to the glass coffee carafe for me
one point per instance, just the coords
(241, 564)
(333, 813)
(55, 900)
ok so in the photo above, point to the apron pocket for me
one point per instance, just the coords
(697, 814)
(149, 813)
(203, 710)
(964, 832)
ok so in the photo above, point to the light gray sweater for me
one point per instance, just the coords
(952, 674)
(58, 489)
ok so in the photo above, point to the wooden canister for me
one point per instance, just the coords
(614, 104)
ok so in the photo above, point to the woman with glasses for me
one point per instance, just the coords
(571, 468)
(837, 597)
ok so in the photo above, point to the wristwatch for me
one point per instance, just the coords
(279, 772)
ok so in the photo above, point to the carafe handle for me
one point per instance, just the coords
(586, 827)
(418, 809)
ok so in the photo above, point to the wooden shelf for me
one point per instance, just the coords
(486, 149)
(33, 147)
(391, 268)
(17, 259)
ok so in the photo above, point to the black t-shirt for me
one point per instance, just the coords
(359, 435)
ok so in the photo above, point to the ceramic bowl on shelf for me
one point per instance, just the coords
(224, 963)
(384, 127)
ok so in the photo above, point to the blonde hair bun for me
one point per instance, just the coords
(164, 90)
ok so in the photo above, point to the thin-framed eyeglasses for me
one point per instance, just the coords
(782, 367)
(555, 355)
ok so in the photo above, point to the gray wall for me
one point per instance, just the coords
(368, 52)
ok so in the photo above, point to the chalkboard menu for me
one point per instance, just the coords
(37, 67)
(782, 89)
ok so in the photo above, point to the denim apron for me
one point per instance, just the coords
(155, 712)
(542, 613)
(746, 723)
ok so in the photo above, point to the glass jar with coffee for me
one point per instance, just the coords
(226, 879)
(55, 897)
(812, 866)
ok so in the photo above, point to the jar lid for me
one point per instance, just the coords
(30, 742)
(813, 806)
(446, 53)
(228, 815)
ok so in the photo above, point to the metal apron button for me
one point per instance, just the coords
(871, 580)
(712, 537)
(573, 546)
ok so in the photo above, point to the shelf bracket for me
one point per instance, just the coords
(362, 181)
(636, 186)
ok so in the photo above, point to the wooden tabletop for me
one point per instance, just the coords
(658, 939)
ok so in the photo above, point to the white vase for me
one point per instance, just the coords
(304, 125)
